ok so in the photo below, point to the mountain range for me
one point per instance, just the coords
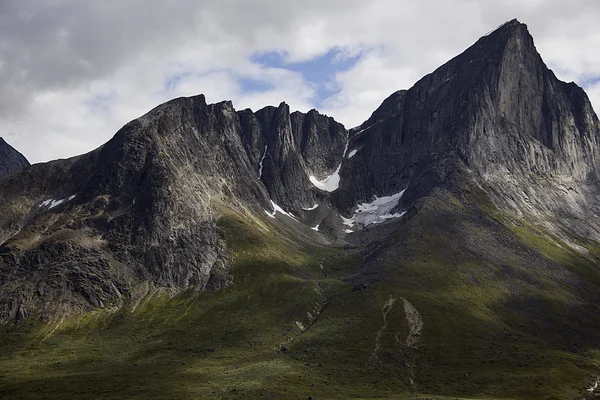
(447, 247)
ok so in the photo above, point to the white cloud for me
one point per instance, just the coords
(593, 92)
(73, 72)
(365, 86)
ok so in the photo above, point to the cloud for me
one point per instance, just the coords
(73, 72)
(593, 91)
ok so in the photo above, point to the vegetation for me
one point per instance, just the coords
(302, 320)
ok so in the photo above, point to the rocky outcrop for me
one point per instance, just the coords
(11, 160)
(294, 147)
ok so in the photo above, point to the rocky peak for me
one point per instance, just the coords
(495, 110)
(11, 160)
(142, 209)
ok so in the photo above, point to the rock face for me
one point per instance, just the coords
(497, 111)
(11, 160)
(140, 212)
(288, 148)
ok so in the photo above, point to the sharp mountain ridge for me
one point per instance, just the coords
(498, 112)
(140, 212)
(447, 247)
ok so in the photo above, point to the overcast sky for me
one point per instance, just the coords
(73, 72)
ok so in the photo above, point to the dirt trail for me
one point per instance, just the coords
(53, 330)
(313, 313)
(408, 345)
(387, 307)
(413, 320)
(415, 324)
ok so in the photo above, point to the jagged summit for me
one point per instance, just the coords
(11, 160)
(474, 66)
(148, 200)
(498, 111)
(142, 209)
(509, 27)
(449, 245)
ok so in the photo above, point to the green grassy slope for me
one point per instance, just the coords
(507, 313)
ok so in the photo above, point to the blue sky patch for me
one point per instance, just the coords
(590, 81)
(254, 85)
(319, 71)
(172, 80)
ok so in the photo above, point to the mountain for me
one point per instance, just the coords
(448, 246)
(497, 111)
(11, 160)
(140, 212)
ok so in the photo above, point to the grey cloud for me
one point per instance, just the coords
(73, 52)
(50, 45)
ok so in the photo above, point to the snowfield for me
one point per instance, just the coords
(276, 209)
(375, 212)
(329, 184)
(332, 182)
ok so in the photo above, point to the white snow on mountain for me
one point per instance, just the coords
(332, 182)
(277, 209)
(375, 212)
(51, 203)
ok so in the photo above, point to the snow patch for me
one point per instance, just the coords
(316, 228)
(352, 153)
(261, 163)
(347, 221)
(375, 212)
(46, 203)
(329, 184)
(276, 209)
(332, 182)
(51, 203)
(311, 208)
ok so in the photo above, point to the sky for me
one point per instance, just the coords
(73, 72)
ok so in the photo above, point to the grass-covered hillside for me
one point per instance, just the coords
(449, 302)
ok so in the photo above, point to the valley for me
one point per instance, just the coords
(446, 248)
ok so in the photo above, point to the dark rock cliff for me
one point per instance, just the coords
(294, 147)
(497, 111)
(140, 212)
(11, 160)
